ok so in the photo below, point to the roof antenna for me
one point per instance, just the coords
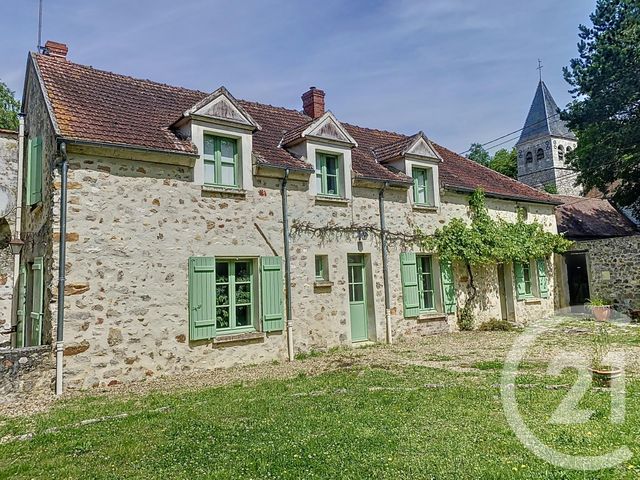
(539, 66)
(39, 46)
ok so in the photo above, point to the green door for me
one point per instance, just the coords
(357, 298)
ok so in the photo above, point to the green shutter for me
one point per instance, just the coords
(271, 291)
(21, 306)
(448, 287)
(29, 181)
(37, 306)
(34, 171)
(409, 275)
(543, 283)
(519, 274)
(202, 299)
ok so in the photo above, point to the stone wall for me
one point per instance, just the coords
(614, 269)
(8, 185)
(25, 370)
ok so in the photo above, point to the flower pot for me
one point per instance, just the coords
(604, 375)
(601, 312)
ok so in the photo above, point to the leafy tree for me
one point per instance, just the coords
(505, 162)
(551, 188)
(605, 112)
(9, 108)
(477, 153)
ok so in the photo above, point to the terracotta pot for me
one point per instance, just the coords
(604, 376)
(601, 312)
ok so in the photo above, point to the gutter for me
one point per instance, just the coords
(385, 265)
(287, 263)
(18, 228)
(64, 169)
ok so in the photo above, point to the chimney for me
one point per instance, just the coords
(313, 102)
(55, 49)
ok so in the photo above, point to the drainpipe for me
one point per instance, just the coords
(64, 169)
(385, 264)
(287, 262)
(18, 226)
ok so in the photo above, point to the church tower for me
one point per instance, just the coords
(543, 144)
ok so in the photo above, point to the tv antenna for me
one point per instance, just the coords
(39, 46)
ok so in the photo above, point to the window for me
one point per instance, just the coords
(531, 279)
(540, 154)
(526, 278)
(34, 171)
(322, 268)
(529, 157)
(426, 293)
(422, 186)
(327, 174)
(223, 296)
(568, 149)
(220, 161)
(561, 152)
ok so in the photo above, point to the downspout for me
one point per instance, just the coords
(287, 262)
(18, 226)
(64, 169)
(385, 265)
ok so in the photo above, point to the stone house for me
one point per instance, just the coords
(204, 231)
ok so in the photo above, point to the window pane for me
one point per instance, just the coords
(222, 317)
(228, 174)
(356, 292)
(243, 272)
(209, 172)
(243, 293)
(222, 272)
(227, 149)
(356, 274)
(209, 145)
(319, 267)
(332, 165)
(222, 295)
(332, 185)
(243, 316)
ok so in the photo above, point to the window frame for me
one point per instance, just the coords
(526, 273)
(216, 160)
(232, 300)
(421, 290)
(321, 273)
(322, 175)
(428, 196)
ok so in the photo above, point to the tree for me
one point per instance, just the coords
(605, 111)
(9, 108)
(505, 162)
(477, 153)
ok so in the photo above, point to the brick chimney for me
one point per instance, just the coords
(313, 102)
(55, 49)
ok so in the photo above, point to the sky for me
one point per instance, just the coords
(462, 71)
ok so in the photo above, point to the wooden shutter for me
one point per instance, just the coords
(21, 306)
(202, 298)
(271, 292)
(37, 306)
(30, 172)
(34, 171)
(448, 287)
(519, 275)
(543, 284)
(409, 276)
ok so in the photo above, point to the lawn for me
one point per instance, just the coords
(422, 409)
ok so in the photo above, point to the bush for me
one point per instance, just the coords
(465, 319)
(495, 325)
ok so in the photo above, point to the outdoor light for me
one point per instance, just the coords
(16, 245)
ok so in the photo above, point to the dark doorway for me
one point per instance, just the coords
(578, 277)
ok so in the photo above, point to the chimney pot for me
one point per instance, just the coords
(55, 49)
(313, 102)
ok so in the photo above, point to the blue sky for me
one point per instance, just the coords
(460, 70)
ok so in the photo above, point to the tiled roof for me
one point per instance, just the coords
(98, 106)
(588, 218)
(543, 118)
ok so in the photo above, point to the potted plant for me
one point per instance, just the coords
(602, 373)
(600, 308)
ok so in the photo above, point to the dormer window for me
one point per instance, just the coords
(220, 161)
(328, 174)
(423, 186)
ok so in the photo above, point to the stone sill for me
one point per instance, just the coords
(337, 201)
(224, 192)
(431, 317)
(322, 284)
(239, 337)
(425, 208)
(532, 301)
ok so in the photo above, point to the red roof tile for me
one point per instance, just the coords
(585, 218)
(98, 106)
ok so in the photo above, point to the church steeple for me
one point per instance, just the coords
(543, 144)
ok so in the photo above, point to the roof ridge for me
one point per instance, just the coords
(377, 130)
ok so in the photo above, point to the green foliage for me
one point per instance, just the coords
(551, 188)
(477, 153)
(495, 325)
(505, 162)
(466, 320)
(601, 345)
(9, 108)
(605, 113)
(598, 302)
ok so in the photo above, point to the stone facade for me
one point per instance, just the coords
(8, 185)
(551, 169)
(25, 370)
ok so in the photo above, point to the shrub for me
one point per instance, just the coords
(495, 325)
(465, 318)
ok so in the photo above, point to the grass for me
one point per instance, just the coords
(372, 419)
